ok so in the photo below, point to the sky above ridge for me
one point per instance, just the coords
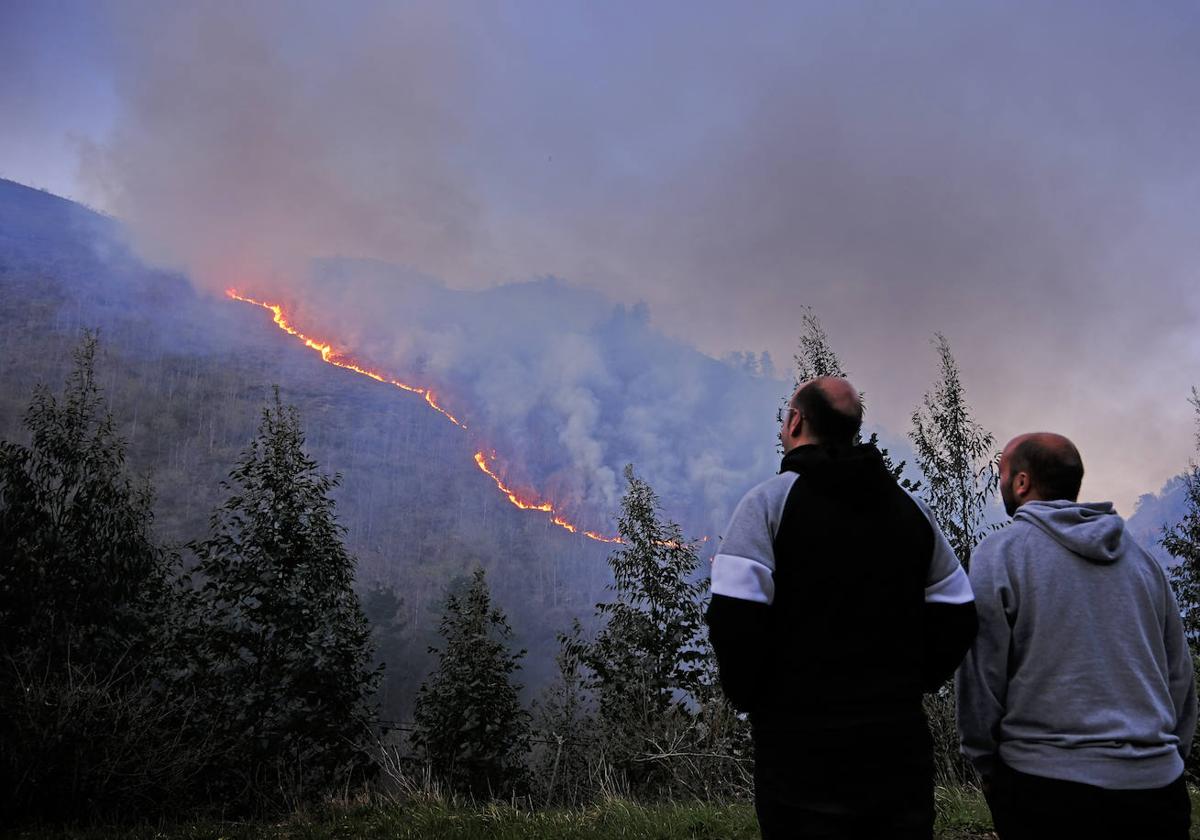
(1022, 177)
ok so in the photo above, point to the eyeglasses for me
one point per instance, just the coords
(779, 412)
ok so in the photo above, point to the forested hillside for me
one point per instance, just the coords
(186, 376)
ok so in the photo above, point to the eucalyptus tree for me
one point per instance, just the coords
(649, 661)
(956, 456)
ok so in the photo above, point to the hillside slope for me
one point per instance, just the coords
(186, 377)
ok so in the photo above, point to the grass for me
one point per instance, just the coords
(962, 815)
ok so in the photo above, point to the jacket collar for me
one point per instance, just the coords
(812, 454)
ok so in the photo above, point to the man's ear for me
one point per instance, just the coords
(1022, 485)
(797, 424)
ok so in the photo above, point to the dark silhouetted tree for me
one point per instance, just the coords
(815, 356)
(88, 617)
(956, 457)
(1182, 541)
(470, 726)
(288, 646)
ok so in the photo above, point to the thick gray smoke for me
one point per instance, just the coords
(1019, 176)
(252, 137)
(564, 386)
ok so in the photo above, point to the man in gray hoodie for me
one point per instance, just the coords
(1076, 703)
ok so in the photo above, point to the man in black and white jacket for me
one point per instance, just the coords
(836, 603)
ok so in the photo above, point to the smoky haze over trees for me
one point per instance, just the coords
(555, 379)
(177, 370)
(186, 376)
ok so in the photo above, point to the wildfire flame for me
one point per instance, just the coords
(347, 362)
(546, 507)
(328, 354)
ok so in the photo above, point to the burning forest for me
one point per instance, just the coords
(340, 359)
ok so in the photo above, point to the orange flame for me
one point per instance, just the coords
(341, 360)
(337, 359)
(546, 507)
(328, 354)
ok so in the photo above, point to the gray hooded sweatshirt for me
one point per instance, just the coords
(1080, 670)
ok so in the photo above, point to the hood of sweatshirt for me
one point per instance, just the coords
(1092, 530)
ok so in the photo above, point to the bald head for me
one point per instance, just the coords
(1040, 466)
(829, 410)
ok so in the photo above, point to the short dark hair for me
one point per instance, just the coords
(1055, 469)
(826, 423)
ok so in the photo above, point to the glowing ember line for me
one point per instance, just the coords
(329, 355)
(546, 507)
(340, 359)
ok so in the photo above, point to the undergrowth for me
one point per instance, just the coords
(962, 815)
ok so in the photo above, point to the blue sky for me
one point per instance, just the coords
(1020, 176)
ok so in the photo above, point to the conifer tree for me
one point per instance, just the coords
(289, 653)
(470, 726)
(955, 455)
(79, 567)
(88, 615)
(649, 660)
(1182, 541)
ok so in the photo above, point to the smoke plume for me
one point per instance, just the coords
(1021, 177)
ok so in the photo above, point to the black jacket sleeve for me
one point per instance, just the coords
(949, 630)
(738, 632)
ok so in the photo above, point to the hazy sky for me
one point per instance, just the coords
(1024, 177)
